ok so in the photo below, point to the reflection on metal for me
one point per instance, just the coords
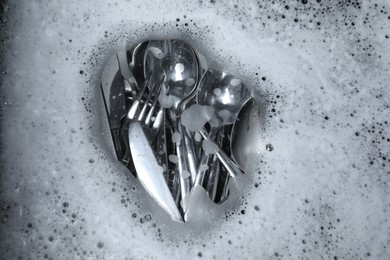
(145, 91)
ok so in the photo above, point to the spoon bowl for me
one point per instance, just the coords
(226, 95)
(223, 92)
(242, 134)
(177, 61)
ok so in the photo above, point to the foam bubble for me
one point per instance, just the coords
(196, 116)
(179, 68)
(209, 147)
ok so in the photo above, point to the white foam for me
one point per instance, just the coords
(196, 116)
(209, 147)
(173, 158)
(321, 193)
(176, 137)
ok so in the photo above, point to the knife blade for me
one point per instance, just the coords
(149, 172)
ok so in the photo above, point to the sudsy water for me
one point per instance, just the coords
(321, 192)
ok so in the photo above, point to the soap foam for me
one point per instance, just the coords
(320, 68)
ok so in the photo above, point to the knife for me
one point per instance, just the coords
(149, 172)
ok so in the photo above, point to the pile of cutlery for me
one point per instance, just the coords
(172, 122)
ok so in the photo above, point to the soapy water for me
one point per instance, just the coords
(321, 192)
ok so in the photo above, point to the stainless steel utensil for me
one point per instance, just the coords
(141, 131)
(129, 82)
(226, 95)
(119, 84)
(114, 102)
(131, 67)
(145, 108)
(146, 89)
(230, 166)
(177, 61)
(241, 138)
(149, 172)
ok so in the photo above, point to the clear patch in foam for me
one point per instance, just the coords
(209, 106)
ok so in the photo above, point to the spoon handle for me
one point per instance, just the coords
(230, 166)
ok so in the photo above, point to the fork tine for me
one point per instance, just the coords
(153, 107)
(137, 100)
(150, 114)
(154, 87)
(147, 101)
(159, 118)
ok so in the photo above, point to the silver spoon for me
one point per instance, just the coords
(226, 95)
(241, 137)
(177, 61)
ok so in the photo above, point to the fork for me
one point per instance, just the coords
(145, 113)
(144, 110)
